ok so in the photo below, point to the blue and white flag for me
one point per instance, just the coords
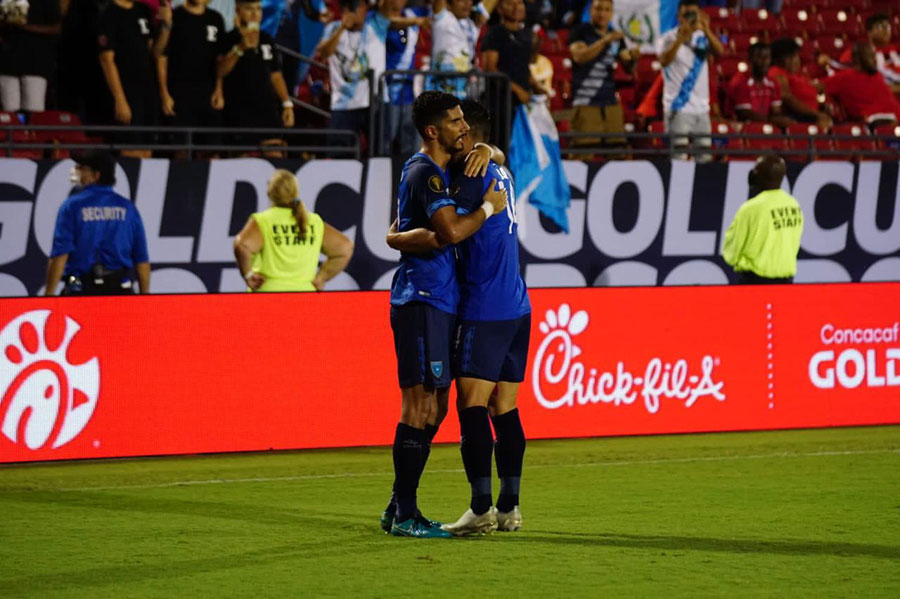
(536, 164)
(642, 21)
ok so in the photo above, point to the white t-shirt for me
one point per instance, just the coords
(453, 42)
(674, 75)
(356, 53)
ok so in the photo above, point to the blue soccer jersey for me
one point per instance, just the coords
(98, 226)
(490, 284)
(431, 277)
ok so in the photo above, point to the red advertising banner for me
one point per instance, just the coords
(151, 375)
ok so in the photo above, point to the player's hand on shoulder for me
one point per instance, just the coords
(478, 160)
(496, 197)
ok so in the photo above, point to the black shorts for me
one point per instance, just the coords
(422, 338)
(494, 350)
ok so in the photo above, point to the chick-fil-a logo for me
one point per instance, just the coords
(44, 397)
(558, 379)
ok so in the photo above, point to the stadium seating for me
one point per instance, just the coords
(852, 146)
(723, 137)
(775, 143)
(820, 140)
(17, 136)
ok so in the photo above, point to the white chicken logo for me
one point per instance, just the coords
(43, 397)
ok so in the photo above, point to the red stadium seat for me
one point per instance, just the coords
(758, 20)
(830, 45)
(740, 42)
(801, 133)
(837, 21)
(18, 136)
(626, 96)
(657, 127)
(799, 21)
(562, 67)
(728, 66)
(775, 143)
(858, 6)
(891, 141)
(648, 67)
(54, 118)
(723, 137)
(852, 145)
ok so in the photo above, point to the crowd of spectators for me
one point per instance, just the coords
(217, 63)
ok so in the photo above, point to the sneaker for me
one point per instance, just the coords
(415, 527)
(509, 521)
(387, 520)
(428, 521)
(469, 523)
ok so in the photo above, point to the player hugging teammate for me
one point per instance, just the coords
(458, 285)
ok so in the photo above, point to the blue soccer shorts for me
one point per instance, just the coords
(494, 350)
(422, 338)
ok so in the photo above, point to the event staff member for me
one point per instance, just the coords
(278, 249)
(99, 235)
(764, 238)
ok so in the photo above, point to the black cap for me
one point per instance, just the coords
(100, 161)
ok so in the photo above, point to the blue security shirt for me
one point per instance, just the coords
(490, 283)
(428, 278)
(98, 226)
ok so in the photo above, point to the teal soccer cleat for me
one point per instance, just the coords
(387, 521)
(419, 527)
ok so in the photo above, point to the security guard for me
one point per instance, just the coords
(99, 235)
(764, 238)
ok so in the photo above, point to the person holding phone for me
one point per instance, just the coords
(684, 55)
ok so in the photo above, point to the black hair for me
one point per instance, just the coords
(430, 107)
(478, 119)
(754, 48)
(875, 19)
(689, 3)
(348, 4)
(782, 48)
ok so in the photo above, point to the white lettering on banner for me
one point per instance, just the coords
(886, 269)
(831, 334)
(377, 209)
(670, 380)
(150, 199)
(15, 217)
(851, 368)
(224, 175)
(315, 175)
(819, 270)
(696, 272)
(678, 239)
(811, 180)
(865, 229)
(651, 196)
(554, 246)
(627, 273)
(40, 390)
(736, 192)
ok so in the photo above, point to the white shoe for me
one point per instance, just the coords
(469, 523)
(509, 521)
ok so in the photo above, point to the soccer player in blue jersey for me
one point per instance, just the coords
(425, 295)
(491, 343)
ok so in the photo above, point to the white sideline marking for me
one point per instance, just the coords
(222, 481)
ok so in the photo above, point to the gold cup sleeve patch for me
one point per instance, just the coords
(436, 184)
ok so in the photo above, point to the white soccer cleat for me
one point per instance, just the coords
(469, 523)
(509, 521)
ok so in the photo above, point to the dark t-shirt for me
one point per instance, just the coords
(25, 53)
(248, 87)
(514, 48)
(194, 45)
(592, 81)
(127, 32)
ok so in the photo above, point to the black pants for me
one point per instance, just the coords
(751, 278)
(115, 283)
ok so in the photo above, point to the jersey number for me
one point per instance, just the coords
(511, 198)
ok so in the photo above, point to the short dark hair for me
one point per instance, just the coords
(783, 48)
(478, 119)
(99, 161)
(689, 3)
(875, 19)
(348, 4)
(430, 107)
(756, 47)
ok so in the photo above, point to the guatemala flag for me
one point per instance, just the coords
(535, 162)
(642, 21)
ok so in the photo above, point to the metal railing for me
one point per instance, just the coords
(389, 116)
(185, 139)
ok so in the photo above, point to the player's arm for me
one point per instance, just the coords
(338, 250)
(480, 157)
(416, 241)
(164, 16)
(452, 228)
(483, 10)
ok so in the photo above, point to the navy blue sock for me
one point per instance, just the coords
(408, 445)
(476, 445)
(430, 431)
(510, 453)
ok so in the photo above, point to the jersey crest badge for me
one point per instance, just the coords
(437, 369)
(436, 184)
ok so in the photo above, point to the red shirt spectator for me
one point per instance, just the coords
(758, 95)
(800, 86)
(863, 92)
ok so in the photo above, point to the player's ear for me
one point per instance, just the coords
(431, 132)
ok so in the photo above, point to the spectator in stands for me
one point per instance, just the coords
(862, 90)
(99, 236)
(353, 46)
(126, 35)
(683, 54)
(754, 96)
(82, 87)
(595, 48)
(878, 31)
(28, 54)
(249, 74)
(799, 96)
(773, 6)
(191, 37)
(278, 249)
(401, 54)
(454, 36)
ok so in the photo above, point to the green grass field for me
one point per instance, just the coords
(780, 514)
